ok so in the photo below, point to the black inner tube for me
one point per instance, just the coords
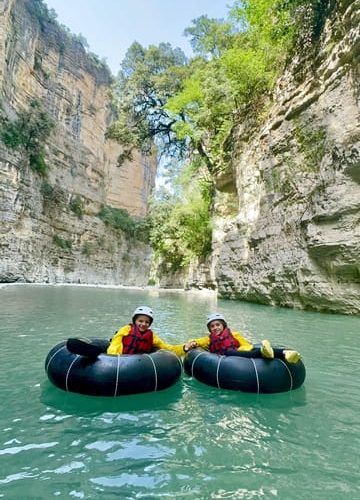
(108, 375)
(248, 374)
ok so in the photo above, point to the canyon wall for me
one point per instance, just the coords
(49, 225)
(292, 237)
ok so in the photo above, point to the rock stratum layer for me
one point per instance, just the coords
(44, 237)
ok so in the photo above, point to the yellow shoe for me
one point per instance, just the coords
(292, 356)
(266, 350)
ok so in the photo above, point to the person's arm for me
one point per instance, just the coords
(116, 345)
(245, 345)
(178, 349)
(203, 342)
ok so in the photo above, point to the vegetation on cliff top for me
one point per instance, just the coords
(48, 17)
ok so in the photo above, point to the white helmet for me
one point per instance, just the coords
(146, 311)
(213, 317)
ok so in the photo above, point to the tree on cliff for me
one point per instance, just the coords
(147, 78)
(189, 107)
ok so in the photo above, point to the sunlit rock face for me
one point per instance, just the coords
(44, 236)
(294, 239)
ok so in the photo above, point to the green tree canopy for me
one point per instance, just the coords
(180, 221)
(148, 77)
(210, 37)
(188, 107)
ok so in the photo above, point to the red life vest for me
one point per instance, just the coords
(219, 344)
(136, 342)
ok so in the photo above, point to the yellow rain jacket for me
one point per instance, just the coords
(116, 345)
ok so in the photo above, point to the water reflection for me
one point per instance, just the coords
(79, 404)
(205, 394)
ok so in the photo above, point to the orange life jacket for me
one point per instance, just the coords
(219, 344)
(136, 342)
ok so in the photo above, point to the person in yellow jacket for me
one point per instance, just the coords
(134, 338)
(221, 340)
(137, 337)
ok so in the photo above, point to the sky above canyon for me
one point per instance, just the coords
(110, 26)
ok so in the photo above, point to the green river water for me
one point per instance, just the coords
(191, 440)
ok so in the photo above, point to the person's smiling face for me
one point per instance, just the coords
(142, 322)
(216, 327)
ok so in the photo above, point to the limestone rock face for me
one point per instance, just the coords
(295, 239)
(42, 237)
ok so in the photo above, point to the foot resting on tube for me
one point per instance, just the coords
(84, 347)
(266, 350)
(292, 356)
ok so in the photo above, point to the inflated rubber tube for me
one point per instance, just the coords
(244, 374)
(109, 375)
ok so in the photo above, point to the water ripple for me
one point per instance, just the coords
(33, 446)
